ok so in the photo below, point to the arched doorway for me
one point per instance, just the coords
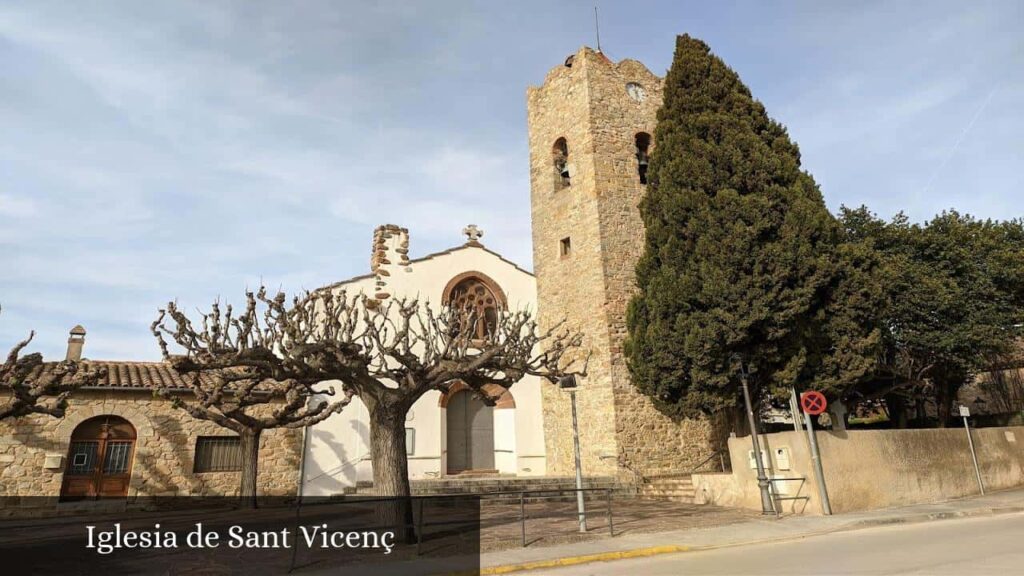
(99, 460)
(470, 430)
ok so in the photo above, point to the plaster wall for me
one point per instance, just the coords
(872, 469)
(338, 455)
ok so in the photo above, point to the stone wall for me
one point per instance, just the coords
(872, 469)
(164, 449)
(590, 288)
(568, 287)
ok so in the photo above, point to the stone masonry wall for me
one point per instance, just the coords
(566, 284)
(621, 431)
(648, 440)
(164, 449)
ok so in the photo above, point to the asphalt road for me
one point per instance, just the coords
(976, 546)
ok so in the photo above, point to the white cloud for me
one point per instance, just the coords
(16, 206)
(189, 149)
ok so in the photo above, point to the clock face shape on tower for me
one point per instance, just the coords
(636, 91)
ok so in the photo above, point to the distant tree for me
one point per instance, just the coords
(741, 256)
(954, 301)
(388, 354)
(38, 387)
(1004, 387)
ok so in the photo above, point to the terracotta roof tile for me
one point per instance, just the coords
(133, 375)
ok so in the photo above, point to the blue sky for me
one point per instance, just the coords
(153, 151)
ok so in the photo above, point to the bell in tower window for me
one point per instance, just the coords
(560, 154)
(643, 144)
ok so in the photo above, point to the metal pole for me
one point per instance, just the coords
(522, 516)
(298, 492)
(794, 410)
(579, 467)
(419, 530)
(767, 507)
(611, 525)
(974, 456)
(819, 473)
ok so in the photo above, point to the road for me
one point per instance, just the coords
(976, 546)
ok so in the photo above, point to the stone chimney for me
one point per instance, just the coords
(75, 343)
(390, 254)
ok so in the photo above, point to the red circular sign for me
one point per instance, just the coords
(813, 403)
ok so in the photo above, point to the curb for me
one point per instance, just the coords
(673, 549)
(586, 559)
(928, 517)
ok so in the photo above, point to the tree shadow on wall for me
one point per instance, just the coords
(344, 475)
(156, 479)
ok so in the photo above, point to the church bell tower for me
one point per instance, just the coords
(591, 127)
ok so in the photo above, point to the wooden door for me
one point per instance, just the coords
(100, 459)
(470, 430)
(480, 421)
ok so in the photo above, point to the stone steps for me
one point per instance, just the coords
(507, 489)
(671, 488)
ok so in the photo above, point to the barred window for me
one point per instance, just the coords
(218, 454)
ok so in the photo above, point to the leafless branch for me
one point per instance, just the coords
(38, 387)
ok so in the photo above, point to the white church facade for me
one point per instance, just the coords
(447, 434)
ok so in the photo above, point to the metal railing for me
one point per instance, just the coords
(420, 524)
(720, 455)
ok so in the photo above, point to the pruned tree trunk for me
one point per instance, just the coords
(897, 407)
(250, 446)
(943, 405)
(390, 466)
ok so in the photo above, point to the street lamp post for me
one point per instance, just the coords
(767, 507)
(569, 382)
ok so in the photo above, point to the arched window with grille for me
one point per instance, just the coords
(478, 298)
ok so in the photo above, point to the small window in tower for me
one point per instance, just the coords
(565, 247)
(643, 144)
(560, 154)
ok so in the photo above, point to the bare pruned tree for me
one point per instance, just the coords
(389, 354)
(246, 374)
(402, 349)
(38, 387)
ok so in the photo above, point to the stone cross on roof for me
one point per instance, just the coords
(473, 234)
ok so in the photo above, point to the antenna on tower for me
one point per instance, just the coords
(597, 29)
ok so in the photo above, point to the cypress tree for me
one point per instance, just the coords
(741, 254)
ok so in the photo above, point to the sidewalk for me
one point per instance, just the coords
(759, 530)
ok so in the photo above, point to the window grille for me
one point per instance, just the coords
(83, 458)
(117, 457)
(218, 454)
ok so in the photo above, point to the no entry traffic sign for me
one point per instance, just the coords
(813, 403)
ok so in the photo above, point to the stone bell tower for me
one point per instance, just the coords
(590, 128)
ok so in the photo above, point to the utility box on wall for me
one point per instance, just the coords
(782, 458)
(764, 459)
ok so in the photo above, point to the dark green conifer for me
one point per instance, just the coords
(741, 255)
